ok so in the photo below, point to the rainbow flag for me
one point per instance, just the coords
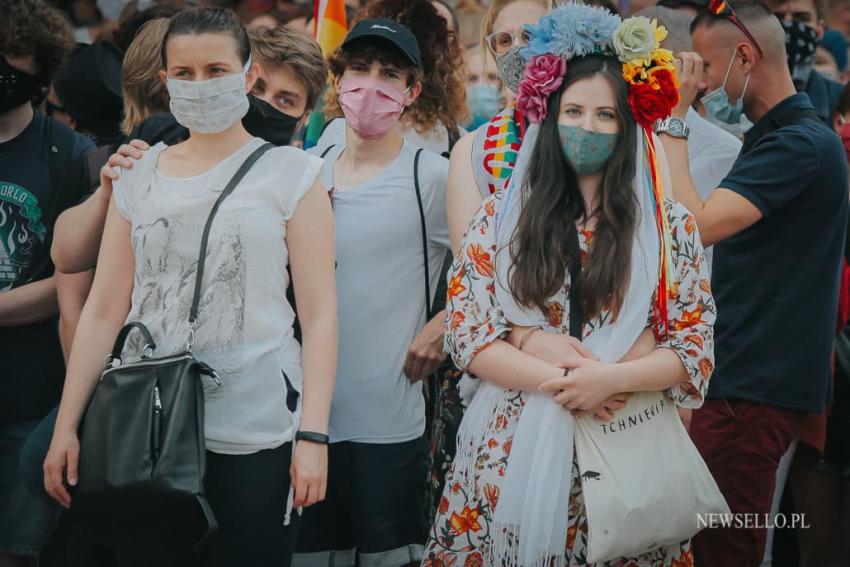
(329, 25)
(329, 29)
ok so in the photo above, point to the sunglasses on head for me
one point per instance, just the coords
(722, 9)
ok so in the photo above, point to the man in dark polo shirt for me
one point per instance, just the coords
(777, 222)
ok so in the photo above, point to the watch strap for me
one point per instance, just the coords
(312, 437)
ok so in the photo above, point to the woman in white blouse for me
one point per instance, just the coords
(279, 214)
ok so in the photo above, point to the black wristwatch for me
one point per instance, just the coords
(312, 437)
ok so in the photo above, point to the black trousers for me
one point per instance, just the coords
(248, 494)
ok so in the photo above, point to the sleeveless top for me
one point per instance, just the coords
(495, 149)
(244, 327)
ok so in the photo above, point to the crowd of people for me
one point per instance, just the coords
(450, 327)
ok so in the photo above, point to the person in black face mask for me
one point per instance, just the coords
(40, 175)
(803, 23)
(292, 76)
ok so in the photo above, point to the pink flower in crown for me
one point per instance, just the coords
(547, 72)
(543, 75)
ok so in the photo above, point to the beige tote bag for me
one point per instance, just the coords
(644, 482)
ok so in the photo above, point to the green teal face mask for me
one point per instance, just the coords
(587, 151)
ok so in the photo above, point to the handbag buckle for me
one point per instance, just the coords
(147, 351)
(190, 340)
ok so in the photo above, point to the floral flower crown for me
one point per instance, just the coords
(576, 30)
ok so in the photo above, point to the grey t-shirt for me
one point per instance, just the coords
(381, 293)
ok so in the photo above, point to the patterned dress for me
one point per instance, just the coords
(461, 535)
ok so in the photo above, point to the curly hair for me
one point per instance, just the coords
(33, 27)
(443, 98)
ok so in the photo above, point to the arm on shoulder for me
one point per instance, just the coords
(77, 234)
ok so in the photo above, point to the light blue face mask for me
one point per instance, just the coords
(484, 102)
(587, 151)
(717, 101)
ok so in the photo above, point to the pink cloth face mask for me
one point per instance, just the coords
(371, 106)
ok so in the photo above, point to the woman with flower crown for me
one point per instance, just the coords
(581, 242)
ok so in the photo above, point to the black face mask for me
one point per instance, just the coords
(18, 87)
(266, 122)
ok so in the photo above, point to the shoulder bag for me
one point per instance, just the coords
(142, 440)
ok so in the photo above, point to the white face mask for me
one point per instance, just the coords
(210, 106)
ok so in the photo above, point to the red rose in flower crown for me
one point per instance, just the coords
(654, 99)
(648, 104)
(665, 81)
(543, 75)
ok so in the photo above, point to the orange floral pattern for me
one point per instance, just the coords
(481, 259)
(463, 531)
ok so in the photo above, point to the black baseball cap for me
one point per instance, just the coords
(388, 30)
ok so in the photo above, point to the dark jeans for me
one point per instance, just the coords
(375, 506)
(742, 443)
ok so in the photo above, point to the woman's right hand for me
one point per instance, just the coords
(123, 157)
(61, 462)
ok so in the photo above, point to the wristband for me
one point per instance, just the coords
(312, 437)
(526, 336)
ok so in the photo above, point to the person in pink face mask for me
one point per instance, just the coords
(389, 205)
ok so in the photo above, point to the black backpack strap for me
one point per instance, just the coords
(95, 160)
(576, 318)
(325, 127)
(231, 185)
(424, 231)
(326, 151)
(454, 136)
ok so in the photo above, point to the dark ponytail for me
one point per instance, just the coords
(208, 20)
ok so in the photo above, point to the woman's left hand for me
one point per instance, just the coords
(586, 386)
(309, 473)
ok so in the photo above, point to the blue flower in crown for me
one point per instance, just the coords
(572, 30)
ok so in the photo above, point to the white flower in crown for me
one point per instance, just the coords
(636, 38)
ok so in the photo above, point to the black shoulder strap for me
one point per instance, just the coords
(576, 318)
(424, 231)
(327, 151)
(234, 181)
(454, 136)
(95, 160)
(325, 127)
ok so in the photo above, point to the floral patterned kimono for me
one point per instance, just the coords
(461, 535)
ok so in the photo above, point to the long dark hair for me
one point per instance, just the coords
(540, 248)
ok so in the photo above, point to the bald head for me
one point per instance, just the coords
(758, 19)
(676, 22)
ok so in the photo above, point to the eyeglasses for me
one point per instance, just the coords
(722, 9)
(500, 43)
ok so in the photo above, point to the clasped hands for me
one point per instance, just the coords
(590, 386)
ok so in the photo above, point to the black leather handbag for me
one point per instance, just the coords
(142, 441)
